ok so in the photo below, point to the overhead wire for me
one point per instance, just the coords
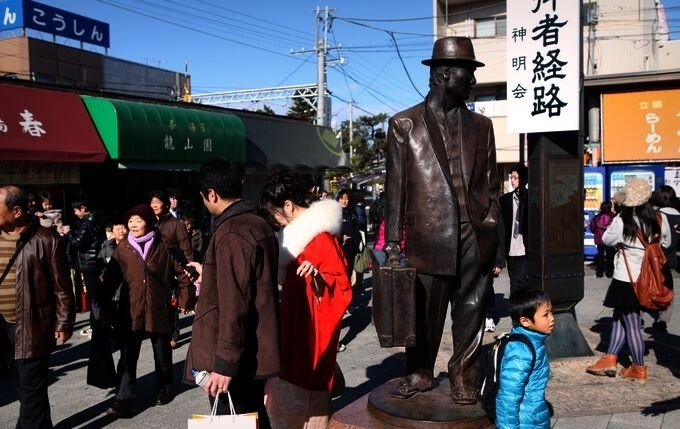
(294, 71)
(396, 45)
(344, 75)
(258, 18)
(238, 42)
(402, 47)
(358, 107)
(276, 35)
(182, 17)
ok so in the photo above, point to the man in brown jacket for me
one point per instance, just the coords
(36, 303)
(442, 185)
(174, 235)
(236, 328)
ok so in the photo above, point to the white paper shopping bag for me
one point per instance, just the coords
(233, 421)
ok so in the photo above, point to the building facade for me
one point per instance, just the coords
(619, 37)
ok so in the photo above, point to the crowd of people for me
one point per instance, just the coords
(269, 290)
(263, 278)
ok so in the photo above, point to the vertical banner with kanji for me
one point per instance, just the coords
(543, 65)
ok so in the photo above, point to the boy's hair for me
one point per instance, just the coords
(80, 201)
(524, 303)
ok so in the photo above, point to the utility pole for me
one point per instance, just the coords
(321, 65)
(321, 49)
(351, 133)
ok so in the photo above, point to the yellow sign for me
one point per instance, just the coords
(641, 126)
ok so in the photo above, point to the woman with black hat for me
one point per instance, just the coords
(143, 263)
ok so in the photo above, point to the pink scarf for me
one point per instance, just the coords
(144, 240)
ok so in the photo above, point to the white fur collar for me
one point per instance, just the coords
(321, 216)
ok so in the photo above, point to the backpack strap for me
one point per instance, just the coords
(525, 340)
(625, 260)
(655, 237)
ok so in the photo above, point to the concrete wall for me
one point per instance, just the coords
(623, 39)
(626, 37)
(48, 62)
(139, 79)
(14, 57)
(669, 54)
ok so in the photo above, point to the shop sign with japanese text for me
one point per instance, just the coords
(43, 125)
(543, 65)
(48, 19)
(641, 126)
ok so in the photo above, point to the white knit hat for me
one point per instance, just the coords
(637, 192)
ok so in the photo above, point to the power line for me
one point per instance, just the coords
(294, 71)
(249, 45)
(404, 65)
(180, 17)
(354, 105)
(383, 29)
(276, 34)
(257, 18)
(342, 69)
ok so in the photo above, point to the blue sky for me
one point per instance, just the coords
(244, 45)
(232, 45)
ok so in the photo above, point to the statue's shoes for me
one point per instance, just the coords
(464, 395)
(410, 385)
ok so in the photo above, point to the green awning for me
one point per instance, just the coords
(133, 131)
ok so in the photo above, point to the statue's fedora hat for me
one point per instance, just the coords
(451, 50)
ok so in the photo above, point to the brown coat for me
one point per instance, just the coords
(148, 288)
(420, 196)
(44, 293)
(236, 327)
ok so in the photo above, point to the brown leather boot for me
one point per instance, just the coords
(606, 365)
(635, 372)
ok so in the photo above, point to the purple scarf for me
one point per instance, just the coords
(144, 240)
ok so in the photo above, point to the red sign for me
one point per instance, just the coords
(44, 125)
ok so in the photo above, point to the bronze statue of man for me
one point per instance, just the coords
(442, 185)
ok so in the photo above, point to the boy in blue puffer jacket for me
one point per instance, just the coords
(520, 402)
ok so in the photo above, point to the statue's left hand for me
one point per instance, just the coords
(393, 253)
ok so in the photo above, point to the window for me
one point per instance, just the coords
(491, 27)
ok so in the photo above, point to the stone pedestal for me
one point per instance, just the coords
(433, 409)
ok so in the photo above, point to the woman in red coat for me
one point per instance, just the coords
(315, 293)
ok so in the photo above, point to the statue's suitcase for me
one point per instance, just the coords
(394, 305)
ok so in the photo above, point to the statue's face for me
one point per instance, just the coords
(457, 81)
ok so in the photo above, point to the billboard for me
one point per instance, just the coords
(37, 16)
(543, 66)
(641, 126)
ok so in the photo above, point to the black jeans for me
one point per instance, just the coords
(604, 261)
(30, 381)
(518, 271)
(247, 396)
(127, 366)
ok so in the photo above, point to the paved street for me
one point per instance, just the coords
(578, 400)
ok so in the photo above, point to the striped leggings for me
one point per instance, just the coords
(626, 328)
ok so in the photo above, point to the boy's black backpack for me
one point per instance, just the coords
(491, 370)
